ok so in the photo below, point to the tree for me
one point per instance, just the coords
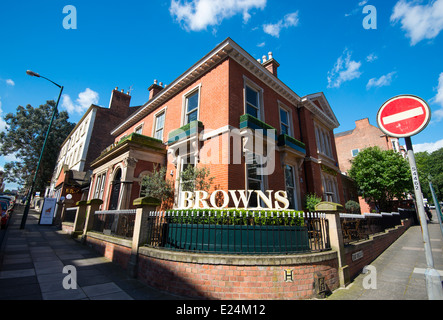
(381, 176)
(193, 178)
(155, 185)
(24, 136)
(311, 200)
(430, 165)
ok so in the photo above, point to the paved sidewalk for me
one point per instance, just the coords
(399, 269)
(32, 262)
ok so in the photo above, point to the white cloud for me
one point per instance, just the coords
(419, 21)
(383, 81)
(344, 70)
(371, 58)
(83, 102)
(358, 9)
(438, 99)
(261, 45)
(429, 147)
(10, 82)
(197, 15)
(289, 20)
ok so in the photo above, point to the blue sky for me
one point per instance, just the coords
(321, 46)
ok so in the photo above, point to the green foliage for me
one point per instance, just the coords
(238, 217)
(352, 206)
(311, 200)
(23, 138)
(195, 178)
(381, 176)
(155, 185)
(430, 166)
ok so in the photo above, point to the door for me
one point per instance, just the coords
(115, 192)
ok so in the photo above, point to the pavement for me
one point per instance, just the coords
(32, 262)
(399, 270)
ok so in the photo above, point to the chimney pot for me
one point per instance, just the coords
(264, 59)
(155, 81)
(270, 55)
(259, 60)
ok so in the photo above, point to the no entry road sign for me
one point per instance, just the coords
(403, 116)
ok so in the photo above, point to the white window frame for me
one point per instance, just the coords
(154, 127)
(283, 107)
(249, 83)
(296, 185)
(352, 152)
(185, 104)
(139, 128)
(323, 140)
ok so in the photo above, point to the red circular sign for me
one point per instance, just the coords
(403, 116)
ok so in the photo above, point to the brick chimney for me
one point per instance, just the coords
(362, 123)
(120, 101)
(154, 89)
(271, 64)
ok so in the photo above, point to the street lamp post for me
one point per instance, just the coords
(28, 201)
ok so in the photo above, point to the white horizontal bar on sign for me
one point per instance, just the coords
(403, 115)
(71, 209)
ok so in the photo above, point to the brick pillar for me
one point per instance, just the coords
(80, 219)
(332, 211)
(67, 203)
(93, 205)
(144, 207)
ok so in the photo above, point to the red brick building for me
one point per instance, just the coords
(350, 143)
(84, 144)
(216, 114)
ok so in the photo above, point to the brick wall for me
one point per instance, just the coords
(113, 251)
(235, 281)
(372, 248)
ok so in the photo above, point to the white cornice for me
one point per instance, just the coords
(228, 48)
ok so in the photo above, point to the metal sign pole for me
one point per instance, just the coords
(433, 281)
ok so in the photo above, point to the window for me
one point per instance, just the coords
(323, 140)
(290, 186)
(159, 126)
(185, 185)
(100, 186)
(394, 145)
(355, 152)
(79, 152)
(285, 122)
(330, 188)
(255, 180)
(139, 129)
(252, 102)
(191, 105)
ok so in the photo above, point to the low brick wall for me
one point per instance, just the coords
(361, 254)
(243, 277)
(115, 249)
(233, 277)
(68, 227)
